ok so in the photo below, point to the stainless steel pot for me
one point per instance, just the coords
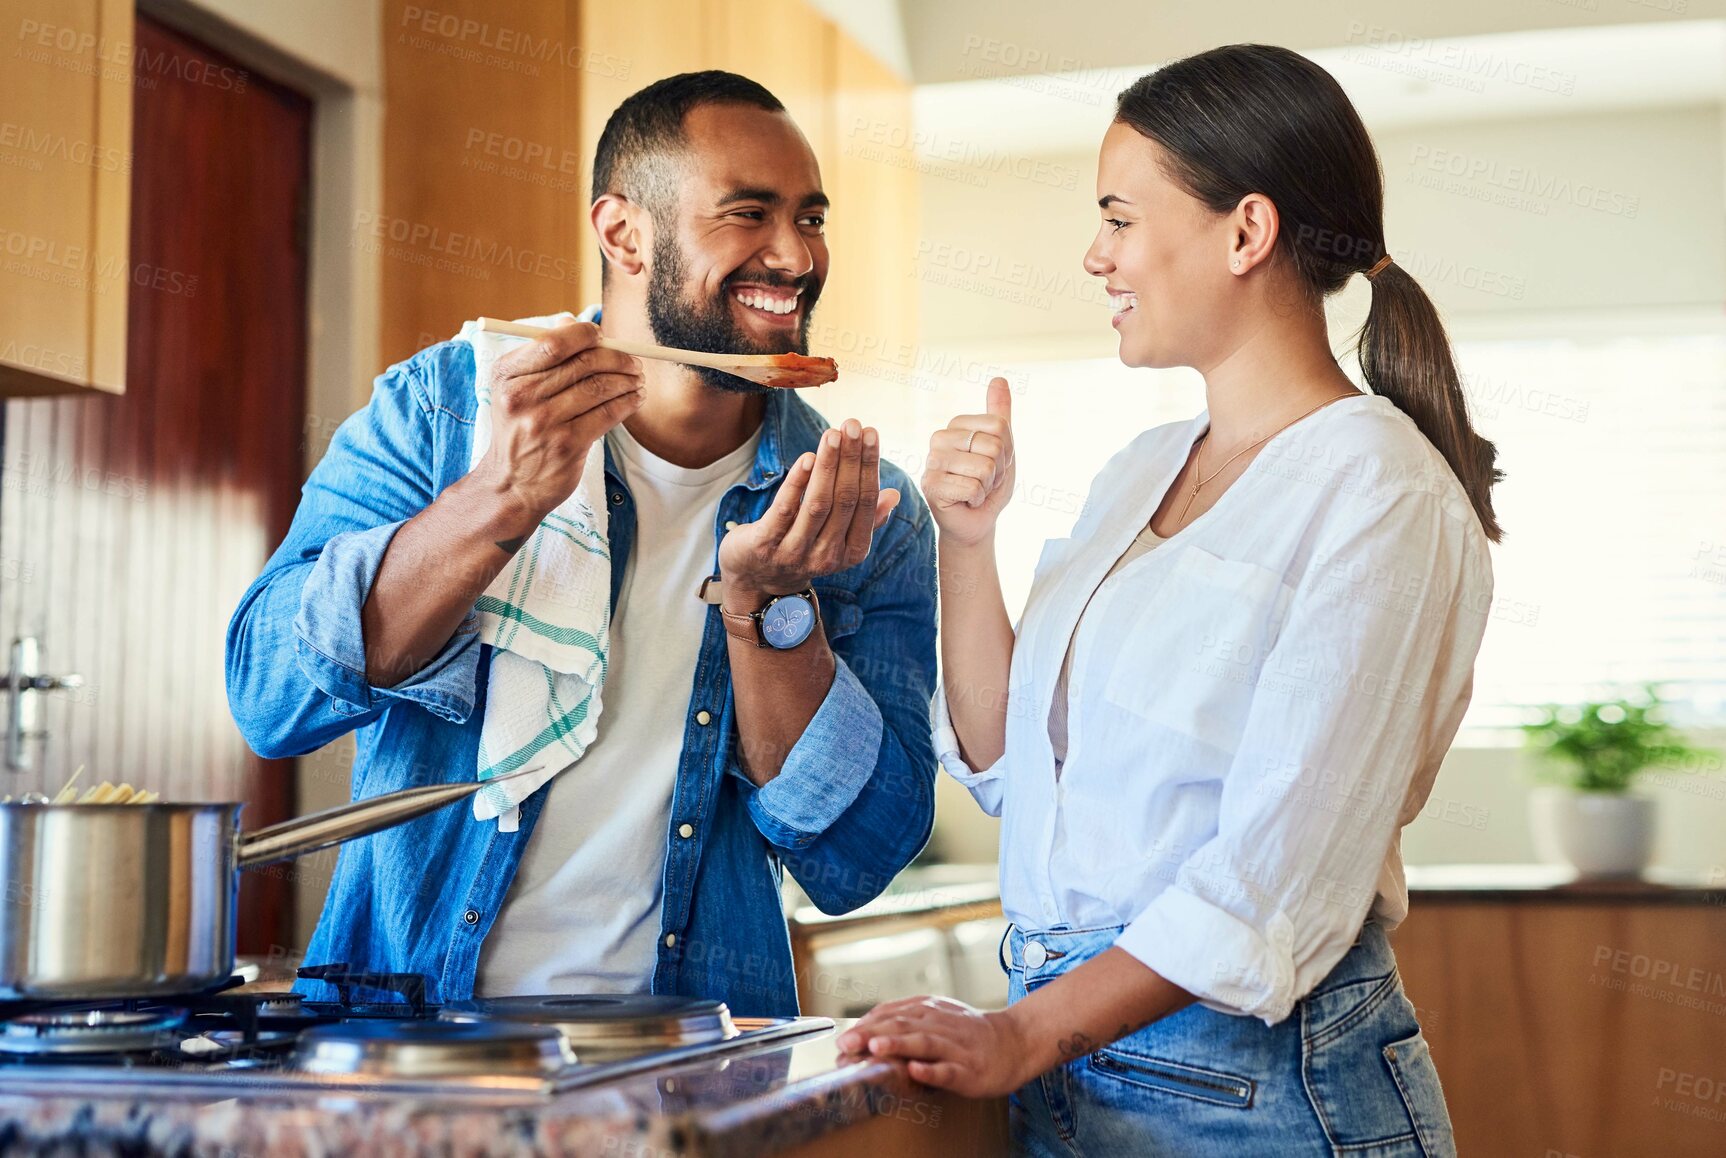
(137, 900)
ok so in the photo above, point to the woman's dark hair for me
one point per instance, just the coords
(1252, 118)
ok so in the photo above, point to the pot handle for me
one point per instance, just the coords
(292, 838)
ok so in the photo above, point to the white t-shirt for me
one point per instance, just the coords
(583, 912)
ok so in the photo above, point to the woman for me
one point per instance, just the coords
(1234, 683)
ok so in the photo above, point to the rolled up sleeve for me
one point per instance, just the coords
(1334, 758)
(296, 646)
(330, 641)
(827, 767)
(985, 786)
(855, 800)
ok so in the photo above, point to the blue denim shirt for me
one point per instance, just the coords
(852, 804)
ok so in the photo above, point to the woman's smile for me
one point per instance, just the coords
(1123, 302)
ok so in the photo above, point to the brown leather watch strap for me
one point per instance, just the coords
(741, 627)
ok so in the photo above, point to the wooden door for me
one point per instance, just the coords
(130, 526)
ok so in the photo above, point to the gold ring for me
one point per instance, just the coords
(969, 441)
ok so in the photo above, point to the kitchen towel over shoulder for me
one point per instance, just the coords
(547, 617)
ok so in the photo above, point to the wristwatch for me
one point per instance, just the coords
(785, 621)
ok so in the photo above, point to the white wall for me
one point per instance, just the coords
(998, 262)
(954, 40)
(1508, 223)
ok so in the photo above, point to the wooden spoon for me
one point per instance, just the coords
(787, 371)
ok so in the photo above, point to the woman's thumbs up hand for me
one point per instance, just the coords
(969, 476)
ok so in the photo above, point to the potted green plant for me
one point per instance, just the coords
(1590, 755)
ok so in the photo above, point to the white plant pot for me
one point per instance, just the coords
(1600, 834)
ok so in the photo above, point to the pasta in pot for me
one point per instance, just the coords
(103, 793)
(106, 793)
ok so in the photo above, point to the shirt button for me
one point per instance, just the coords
(730, 524)
(1035, 955)
(703, 717)
(686, 831)
(671, 940)
(471, 916)
(617, 498)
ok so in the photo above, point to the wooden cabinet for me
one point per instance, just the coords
(484, 193)
(789, 47)
(1582, 1021)
(65, 175)
(638, 44)
(868, 315)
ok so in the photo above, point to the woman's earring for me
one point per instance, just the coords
(1237, 264)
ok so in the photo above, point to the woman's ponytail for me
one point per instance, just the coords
(1405, 357)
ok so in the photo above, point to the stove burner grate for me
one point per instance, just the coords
(418, 1049)
(605, 1026)
(95, 1029)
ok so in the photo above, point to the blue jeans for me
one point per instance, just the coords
(1347, 1073)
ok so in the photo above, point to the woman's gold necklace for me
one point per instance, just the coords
(1181, 522)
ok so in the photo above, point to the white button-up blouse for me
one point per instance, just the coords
(1256, 707)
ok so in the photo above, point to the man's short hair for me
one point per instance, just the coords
(645, 133)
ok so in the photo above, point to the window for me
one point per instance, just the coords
(1613, 566)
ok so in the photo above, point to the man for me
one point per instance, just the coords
(653, 863)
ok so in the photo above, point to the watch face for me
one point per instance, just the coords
(788, 621)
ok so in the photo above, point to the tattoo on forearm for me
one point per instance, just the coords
(1081, 1043)
(1078, 1045)
(510, 546)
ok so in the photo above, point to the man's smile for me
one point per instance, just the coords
(774, 306)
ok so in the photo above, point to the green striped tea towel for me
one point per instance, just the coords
(547, 617)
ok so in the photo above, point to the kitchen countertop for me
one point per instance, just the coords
(966, 887)
(1545, 882)
(776, 1099)
(962, 891)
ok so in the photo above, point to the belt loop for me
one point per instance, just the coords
(1002, 953)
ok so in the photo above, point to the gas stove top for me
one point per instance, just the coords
(222, 1042)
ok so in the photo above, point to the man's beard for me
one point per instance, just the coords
(709, 326)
